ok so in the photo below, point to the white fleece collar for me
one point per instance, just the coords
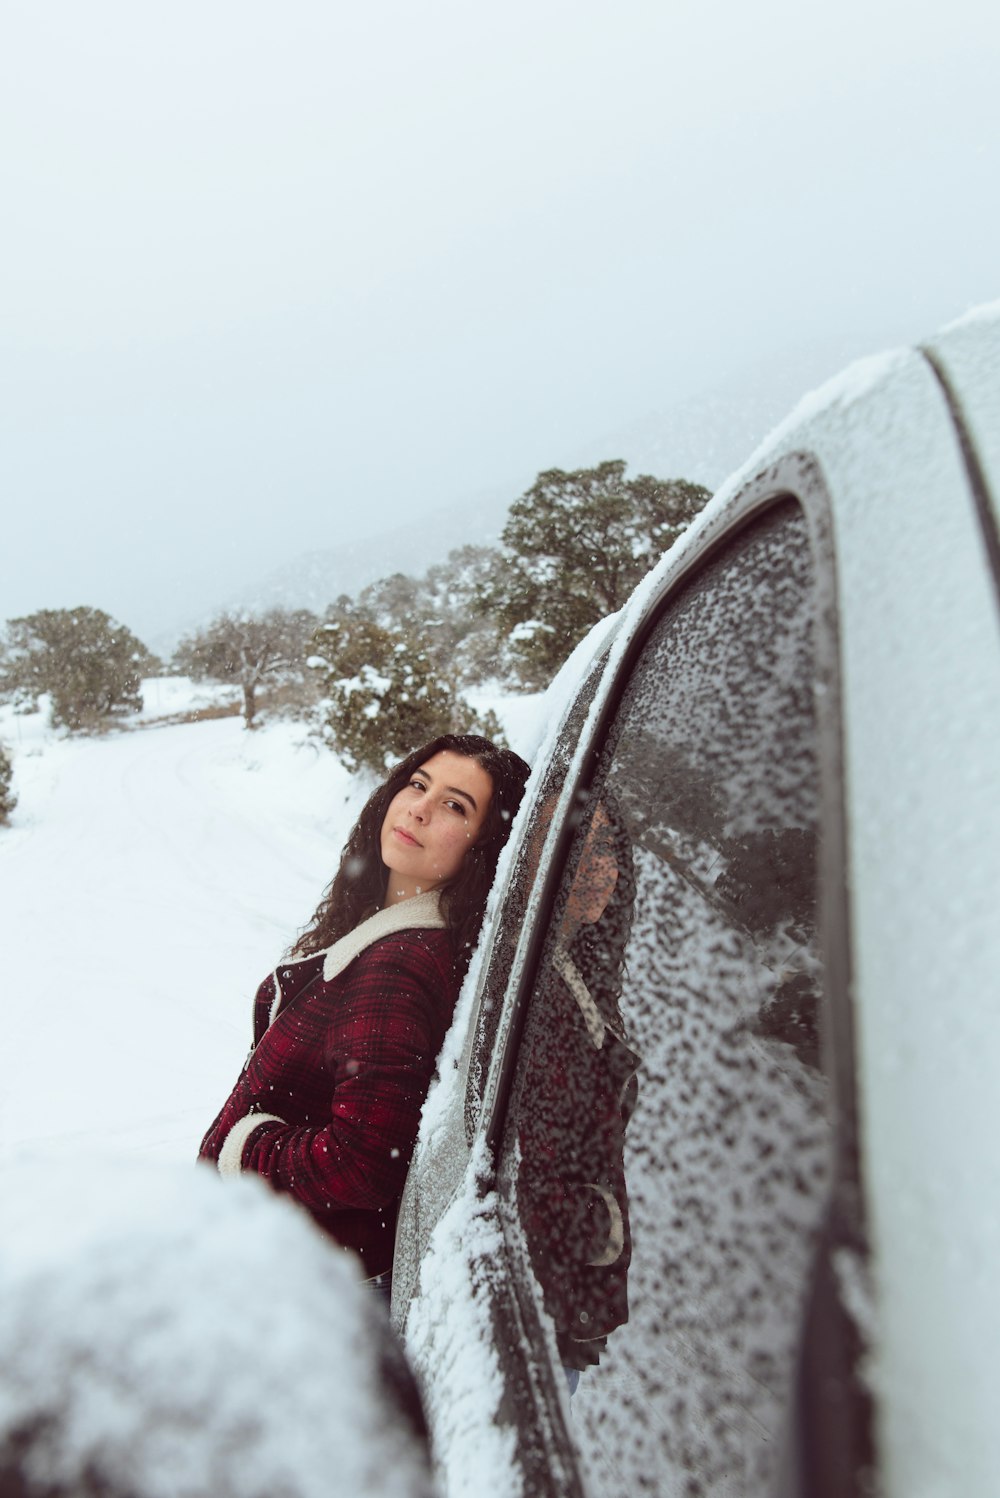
(570, 974)
(423, 911)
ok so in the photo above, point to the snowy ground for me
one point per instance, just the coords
(148, 881)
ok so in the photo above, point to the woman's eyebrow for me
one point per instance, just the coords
(464, 794)
(453, 789)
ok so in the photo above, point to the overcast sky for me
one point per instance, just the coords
(277, 275)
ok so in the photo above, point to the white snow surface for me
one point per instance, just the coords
(174, 1335)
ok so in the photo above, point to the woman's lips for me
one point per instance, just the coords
(406, 837)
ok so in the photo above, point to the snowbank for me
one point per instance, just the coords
(165, 1334)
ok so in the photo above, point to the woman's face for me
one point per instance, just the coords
(432, 823)
(596, 875)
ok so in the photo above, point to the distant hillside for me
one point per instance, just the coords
(314, 579)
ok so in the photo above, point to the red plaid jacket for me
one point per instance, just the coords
(579, 1093)
(337, 1077)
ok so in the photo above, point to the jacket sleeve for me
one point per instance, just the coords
(386, 1021)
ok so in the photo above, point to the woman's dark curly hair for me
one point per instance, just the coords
(358, 887)
(598, 950)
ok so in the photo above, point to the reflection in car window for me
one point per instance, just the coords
(667, 1154)
(504, 936)
(581, 1077)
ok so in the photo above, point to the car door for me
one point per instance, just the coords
(667, 1164)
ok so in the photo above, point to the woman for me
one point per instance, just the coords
(579, 1093)
(347, 1029)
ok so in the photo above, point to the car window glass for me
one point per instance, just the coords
(667, 1153)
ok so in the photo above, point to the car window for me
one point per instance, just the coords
(667, 1152)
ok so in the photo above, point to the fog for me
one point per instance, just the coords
(276, 278)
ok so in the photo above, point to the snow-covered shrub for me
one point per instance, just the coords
(165, 1334)
(383, 695)
(442, 613)
(7, 798)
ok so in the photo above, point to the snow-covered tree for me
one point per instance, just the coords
(574, 547)
(439, 613)
(459, 629)
(7, 798)
(382, 694)
(247, 650)
(90, 665)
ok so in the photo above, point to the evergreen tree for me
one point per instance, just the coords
(248, 649)
(90, 665)
(7, 798)
(574, 547)
(383, 695)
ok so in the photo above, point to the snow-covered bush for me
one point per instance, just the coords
(165, 1334)
(441, 613)
(383, 695)
(7, 798)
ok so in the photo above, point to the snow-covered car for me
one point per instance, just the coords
(715, 1136)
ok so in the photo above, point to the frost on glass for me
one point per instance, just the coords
(667, 1155)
